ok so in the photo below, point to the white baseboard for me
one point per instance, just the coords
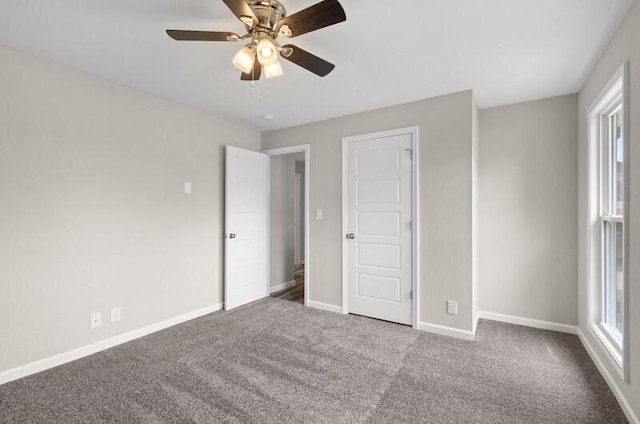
(611, 381)
(81, 352)
(529, 322)
(446, 331)
(324, 306)
(283, 286)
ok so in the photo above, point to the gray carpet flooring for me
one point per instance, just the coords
(275, 361)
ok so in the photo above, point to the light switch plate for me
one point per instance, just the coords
(187, 187)
(96, 319)
(319, 215)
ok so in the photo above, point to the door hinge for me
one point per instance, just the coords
(410, 150)
(411, 295)
(411, 225)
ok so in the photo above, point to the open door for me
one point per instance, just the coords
(246, 226)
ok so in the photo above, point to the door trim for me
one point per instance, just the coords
(306, 149)
(297, 179)
(415, 209)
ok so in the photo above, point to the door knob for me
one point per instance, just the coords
(232, 235)
(351, 236)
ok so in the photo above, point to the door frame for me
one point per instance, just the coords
(415, 209)
(297, 180)
(306, 149)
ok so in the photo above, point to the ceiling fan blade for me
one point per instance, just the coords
(308, 61)
(255, 74)
(241, 9)
(181, 35)
(320, 15)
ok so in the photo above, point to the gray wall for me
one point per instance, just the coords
(93, 210)
(623, 47)
(445, 199)
(528, 199)
(283, 170)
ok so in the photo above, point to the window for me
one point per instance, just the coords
(612, 221)
(607, 229)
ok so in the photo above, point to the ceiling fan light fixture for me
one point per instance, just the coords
(267, 52)
(265, 21)
(273, 70)
(245, 59)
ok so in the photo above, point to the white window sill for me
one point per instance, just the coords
(610, 345)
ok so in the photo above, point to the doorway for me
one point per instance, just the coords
(380, 233)
(288, 223)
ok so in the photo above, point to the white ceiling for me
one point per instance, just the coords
(386, 53)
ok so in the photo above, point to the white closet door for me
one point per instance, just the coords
(379, 241)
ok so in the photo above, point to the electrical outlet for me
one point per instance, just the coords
(452, 307)
(115, 314)
(319, 214)
(96, 319)
(187, 187)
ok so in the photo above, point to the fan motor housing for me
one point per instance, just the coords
(269, 13)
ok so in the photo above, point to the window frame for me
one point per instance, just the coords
(602, 214)
(609, 218)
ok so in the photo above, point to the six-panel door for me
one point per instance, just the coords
(379, 241)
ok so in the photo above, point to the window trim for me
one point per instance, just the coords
(615, 91)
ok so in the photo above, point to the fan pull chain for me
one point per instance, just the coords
(253, 77)
(261, 97)
(253, 85)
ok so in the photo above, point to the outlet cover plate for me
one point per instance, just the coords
(115, 314)
(452, 307)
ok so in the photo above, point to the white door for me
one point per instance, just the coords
(378, 223)
(246, 243)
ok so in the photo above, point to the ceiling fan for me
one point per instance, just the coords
(265, 21)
